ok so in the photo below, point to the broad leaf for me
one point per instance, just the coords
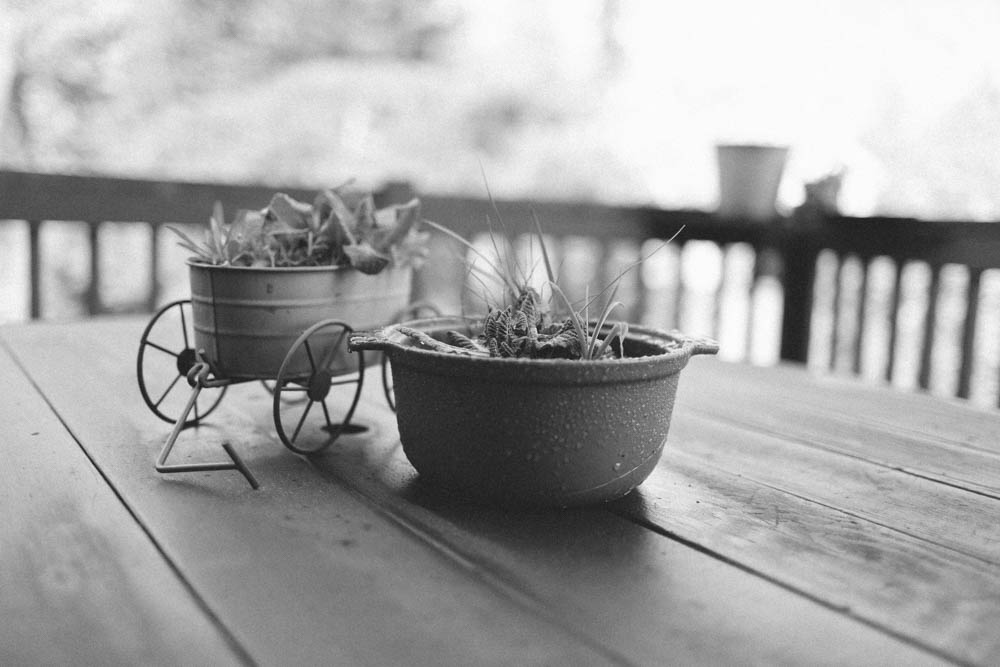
(365, 258)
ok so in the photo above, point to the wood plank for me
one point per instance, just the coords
(825, 554)
(80, 581)
(900, 448)
(879, 542)
(926, 565)
(301, 571)
(949, 441)
(630, 594)
(911, 505)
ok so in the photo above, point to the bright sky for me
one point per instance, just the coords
(814, 76)
(885, 88)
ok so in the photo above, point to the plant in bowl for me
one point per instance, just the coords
(534, 403)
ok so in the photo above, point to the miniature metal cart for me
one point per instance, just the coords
(285, 329)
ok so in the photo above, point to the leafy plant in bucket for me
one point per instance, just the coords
(340, 228)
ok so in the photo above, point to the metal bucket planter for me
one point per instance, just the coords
(543, 433)
(288, 325)
(246, 319)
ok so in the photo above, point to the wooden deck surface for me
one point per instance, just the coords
(793, 520)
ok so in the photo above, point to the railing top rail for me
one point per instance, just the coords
(975, 244)
(31, 196)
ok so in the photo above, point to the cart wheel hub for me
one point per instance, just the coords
(319, 385)
(186, 361)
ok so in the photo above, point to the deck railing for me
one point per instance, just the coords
(842, 289)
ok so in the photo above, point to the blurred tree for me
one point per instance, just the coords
(79, 70)
(614, 100)
(57, 80)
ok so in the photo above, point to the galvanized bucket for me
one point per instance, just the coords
(534, 432)
(246, 319)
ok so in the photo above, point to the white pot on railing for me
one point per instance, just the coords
(749, 176)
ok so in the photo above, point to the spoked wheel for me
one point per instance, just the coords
(166, 354)
(317, 388)
(411, 312)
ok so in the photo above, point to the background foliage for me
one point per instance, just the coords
(614, 100)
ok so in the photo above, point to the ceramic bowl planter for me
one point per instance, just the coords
(534, 432)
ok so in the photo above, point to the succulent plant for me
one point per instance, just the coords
(525, 327)
(521, 329)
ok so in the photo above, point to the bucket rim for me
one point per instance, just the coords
(322, 268)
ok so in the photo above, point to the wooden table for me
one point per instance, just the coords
(793, 520)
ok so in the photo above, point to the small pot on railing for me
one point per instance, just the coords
(749, 177)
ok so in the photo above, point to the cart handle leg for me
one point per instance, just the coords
(198, 377)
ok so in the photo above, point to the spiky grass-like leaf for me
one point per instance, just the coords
(512, 270)
(574, 318)
(618, 330)
(507, 280)
(549, 273)
(603, 317)
(613, 284)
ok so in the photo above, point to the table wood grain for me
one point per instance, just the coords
(794, 519)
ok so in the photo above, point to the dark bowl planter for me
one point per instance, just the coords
(542, 433)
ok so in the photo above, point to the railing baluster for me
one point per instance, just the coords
(894, 303)
(716, 317)
(35, 269)
(679, 297)
(838, 298)
(153, 293)
(758, 270)
(748, 335)
(860, 308)
(93, 293)
(930, 320)
(798, 282)
(969, 333)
